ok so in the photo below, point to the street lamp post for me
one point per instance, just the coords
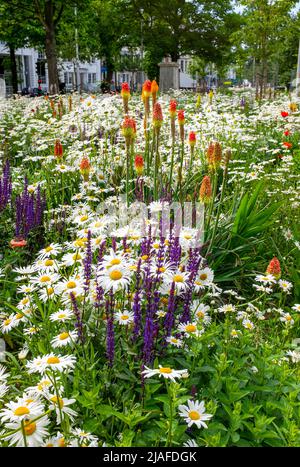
(142, 46)
(77, 53)
(298, 74)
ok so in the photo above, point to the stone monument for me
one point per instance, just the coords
(168, 75)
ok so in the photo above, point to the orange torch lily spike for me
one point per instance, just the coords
(125, 93)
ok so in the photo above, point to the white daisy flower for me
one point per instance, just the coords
(20, 410)
(174, 341)
(51, 362)
(166, 372)
(229, 308)
(191, 443)
(61, 407)
(190, 329)
(84, 436)
(3, 390)
(205, 276)
(194, 413)
(248, 324)
(3, 374)
(33, 431)
(115, 278)
(265, 278)
(125, 317)
(64, 338)
(72, 258)
(285, 285)
(296, 307)
(51, 250)
(179, 278)
(45, 280)
(8, 324)
(47, 265)
(287, 318)
(295, 355)
(62, 315)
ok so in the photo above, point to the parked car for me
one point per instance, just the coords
(32, 92)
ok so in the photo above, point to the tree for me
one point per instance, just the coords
(15, 33)
(266, 23)
(45, 15)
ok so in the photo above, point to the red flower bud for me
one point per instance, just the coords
(139, 164)
(274, 268)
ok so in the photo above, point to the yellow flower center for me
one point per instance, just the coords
(156, 245)
(71, 285)
(115, 275)
(29, 427)
(200, 314)
(124, 317)
(43, 384)
(187, 236)
(134, 237)
(144, 257)
(7, 322)
(63, 336)
(162, 269)
(58, 401)
(190, 328)
(50, 291)
(77, 256)
(45, 279)
(25, 301)
(133, 267)
(203, 277)
(115, 261)
(53, 360)
(194, 415)
(19, 316)
(61, 315)
(174, 340)
(84, 218)
(165, 370)
(288, 318)
(178, 278)
(62, 443)
(49, 262)
(21, 411)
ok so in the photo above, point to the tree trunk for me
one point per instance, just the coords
(51, 49)
(13, 68)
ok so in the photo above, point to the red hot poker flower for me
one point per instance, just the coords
(139, 164)
(192, 138)
(58, 149)
(129, 127)
(18, 242)
(147, 88)
(286, 133)
(287, 144)
(180, 117)
(205, 190)
(284, 114)
(172, 108)
(274, 268)
(125, 92)
(157, 115)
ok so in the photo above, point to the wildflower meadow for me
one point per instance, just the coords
(149, 269)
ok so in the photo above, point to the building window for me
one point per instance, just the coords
(182, 65)
(92, 78)
(41, 55)
(68, 77)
